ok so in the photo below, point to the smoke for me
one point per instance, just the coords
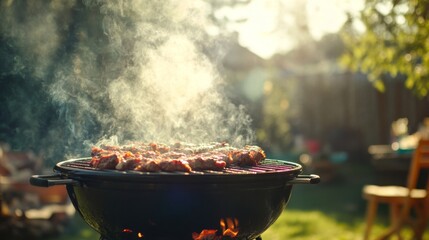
(126, 70)
(33, 30)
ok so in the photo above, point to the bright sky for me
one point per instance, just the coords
(262, 35)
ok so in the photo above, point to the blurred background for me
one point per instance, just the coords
(340, 87)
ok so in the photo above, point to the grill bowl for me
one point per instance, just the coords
(135, 205)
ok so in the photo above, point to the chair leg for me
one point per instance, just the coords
(396, 223)
(370, 215)
(422, 221)
(395, 219)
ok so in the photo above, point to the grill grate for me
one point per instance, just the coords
(267, 166)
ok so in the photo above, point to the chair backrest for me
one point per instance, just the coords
(419, 161)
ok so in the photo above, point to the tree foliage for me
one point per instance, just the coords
(394, 44)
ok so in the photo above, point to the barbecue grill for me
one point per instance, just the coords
(240, 202)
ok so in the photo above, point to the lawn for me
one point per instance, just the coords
(329, 210)
(334, 210)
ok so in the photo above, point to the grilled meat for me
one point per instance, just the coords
(180, 157)
(148, 166)
(106, 160)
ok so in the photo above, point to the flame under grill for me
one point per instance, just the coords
(267, 166)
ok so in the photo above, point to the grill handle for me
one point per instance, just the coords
(51, 180)
(305, 179)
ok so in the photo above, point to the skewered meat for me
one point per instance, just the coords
(179, 157)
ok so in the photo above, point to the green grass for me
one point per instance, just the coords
(317, 225)
(333, 210)
(330, 210)
(299, 224)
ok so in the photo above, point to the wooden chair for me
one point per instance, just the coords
(407, 205)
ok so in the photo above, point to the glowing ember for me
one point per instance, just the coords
(127, 230)
(206, 234)
(229, 227)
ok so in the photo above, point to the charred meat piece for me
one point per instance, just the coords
(175, 166)
(106, 160)
(148, 166)
(96, 151)
(249, 156)
(206, 163)
(128, 164)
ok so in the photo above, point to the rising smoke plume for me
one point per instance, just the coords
(123, 70)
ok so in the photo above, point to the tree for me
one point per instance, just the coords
(394, 43)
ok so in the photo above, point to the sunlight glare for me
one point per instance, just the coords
(328, 16)
(262, 34)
